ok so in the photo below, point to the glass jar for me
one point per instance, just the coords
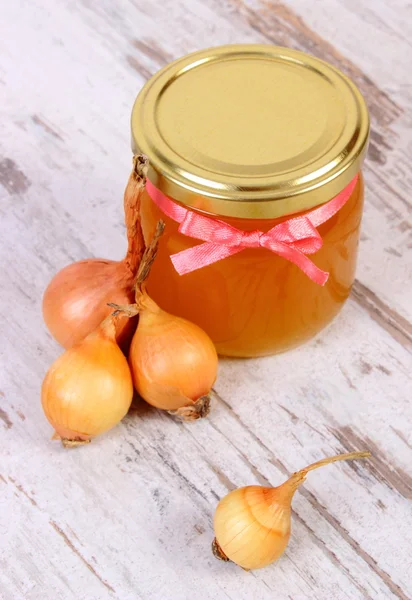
(262, 139)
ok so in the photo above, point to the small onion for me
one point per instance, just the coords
(89, 388)
(75, 301)
(252, 524)
(173, 361)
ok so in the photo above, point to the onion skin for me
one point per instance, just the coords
(89, 388)
(73, 304)
(173, 361)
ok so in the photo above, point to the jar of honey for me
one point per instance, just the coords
(255, 166)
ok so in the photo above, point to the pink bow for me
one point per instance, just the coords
(291, 239)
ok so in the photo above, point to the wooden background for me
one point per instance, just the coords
(130, 516)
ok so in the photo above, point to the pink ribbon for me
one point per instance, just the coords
(292, 239)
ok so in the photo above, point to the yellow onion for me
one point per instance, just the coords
(173, 361)
(252, 524)
(89, 388)
(75, 301)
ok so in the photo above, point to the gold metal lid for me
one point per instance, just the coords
(252, 131)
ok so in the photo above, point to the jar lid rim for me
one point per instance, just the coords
(255, 131)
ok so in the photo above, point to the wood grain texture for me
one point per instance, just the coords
(130, 516)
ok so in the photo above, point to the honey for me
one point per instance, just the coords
(256, 303)
(253, 136)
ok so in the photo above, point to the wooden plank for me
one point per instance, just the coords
(130, 516)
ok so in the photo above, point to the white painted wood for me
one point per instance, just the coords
(130, 515)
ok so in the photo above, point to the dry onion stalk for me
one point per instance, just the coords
(89, 388)
(252, 524)
(75, 301)
(173, 361)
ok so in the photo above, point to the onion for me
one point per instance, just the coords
(252, 524)
(75, 301)
(89, 388)
(173, 361)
